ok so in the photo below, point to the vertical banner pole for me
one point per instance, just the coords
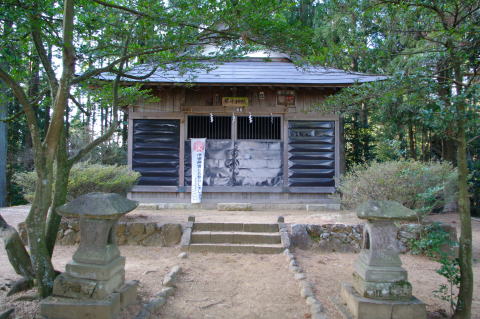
(198, 164)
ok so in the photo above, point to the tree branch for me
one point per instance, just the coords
(126, 9)
(133, 77)
(431, 7)
(42, 54)
(63, 91)
(113, 127)
(13, 116)
(110, 67)
(79, 105)
(473, 139)
(27, 107)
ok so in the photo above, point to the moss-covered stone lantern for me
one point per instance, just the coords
(380, 283)
(93, 285)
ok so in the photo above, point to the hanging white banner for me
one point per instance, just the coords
(198, 164)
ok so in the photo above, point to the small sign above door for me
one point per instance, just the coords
(235, 101)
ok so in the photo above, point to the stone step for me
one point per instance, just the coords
(235, 227)
(235, 237)
(237, 248)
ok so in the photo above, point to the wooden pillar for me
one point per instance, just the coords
(285, 151)
(130, 137)
(181, 160)
(341, 144)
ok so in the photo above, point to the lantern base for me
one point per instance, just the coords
(366, 308)
(74, 308)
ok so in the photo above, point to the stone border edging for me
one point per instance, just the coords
(187, 234)
(160, 299)
(311, 207)
(306, 288)
(348, 237)
(283, 229)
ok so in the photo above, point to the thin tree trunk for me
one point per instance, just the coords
(364, 136)
(3, 151)
(464, 304)
(7, 25)
(62, 172)
(101, 121)
(411, 141)
(449, 147)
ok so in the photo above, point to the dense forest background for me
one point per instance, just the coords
(407, 117)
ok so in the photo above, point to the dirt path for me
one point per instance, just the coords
(327, 271)
(211, 285)
(236, 286)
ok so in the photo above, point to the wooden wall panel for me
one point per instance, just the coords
(202, 99)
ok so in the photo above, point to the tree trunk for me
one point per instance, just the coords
(3, 151)
(365, 136)
(62, 173)
(449, 150)
(411, 141)
(464, 304)
(36, 223)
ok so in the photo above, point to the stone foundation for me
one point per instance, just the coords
(61, 308)
(348, 238)
(367, 308)
(327, 237)
(127, 233)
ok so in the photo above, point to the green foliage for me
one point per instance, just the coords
(416, 185)
(475, 186)
(388, 150)
(108, 153)
(436, 243)
(431, 241)
(450, 269)
(86, 178)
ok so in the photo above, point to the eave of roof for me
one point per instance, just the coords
(251, 72)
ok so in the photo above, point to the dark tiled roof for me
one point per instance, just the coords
(252, 72)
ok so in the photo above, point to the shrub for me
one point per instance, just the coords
(432, 242)
(86, 178)
(417, 185)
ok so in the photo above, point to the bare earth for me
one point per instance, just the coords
(243, 286)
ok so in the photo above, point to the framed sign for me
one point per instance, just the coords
(235, 101)
(286, 97)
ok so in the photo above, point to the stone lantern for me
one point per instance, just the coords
(93, 284)
(380, 285)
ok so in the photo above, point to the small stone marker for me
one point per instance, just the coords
(93, 285)
(380, 284)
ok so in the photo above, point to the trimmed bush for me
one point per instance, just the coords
(86, 178)
(417, 185)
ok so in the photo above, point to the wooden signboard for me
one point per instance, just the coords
(235, 101)
(286, 97)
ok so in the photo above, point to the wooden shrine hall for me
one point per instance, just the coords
(265, 143)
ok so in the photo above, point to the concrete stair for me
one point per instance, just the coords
(234, 238)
